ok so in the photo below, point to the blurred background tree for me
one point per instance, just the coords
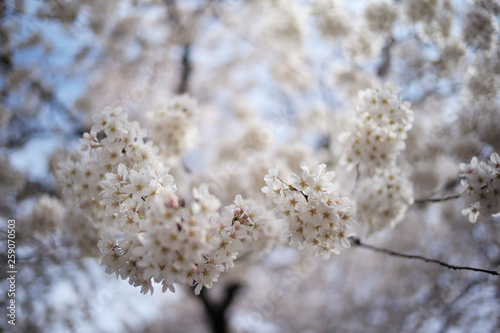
(276, 83)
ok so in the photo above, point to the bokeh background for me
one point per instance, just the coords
(276, 83)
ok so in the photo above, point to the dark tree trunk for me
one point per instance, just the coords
(217, 311)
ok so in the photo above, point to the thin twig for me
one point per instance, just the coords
(421, 201)
(357, 242)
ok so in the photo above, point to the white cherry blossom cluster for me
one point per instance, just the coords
(111, 141)
(480, 27)
(424, 10)
(331, 19)
(434, 19)
(172, 127)
(237, 229)
(383, 199)
(285, 26)
(188, 244)
(147, 233)
(85, 225)
(47, 215)
(380, 129)
(318, 216)
(481, 181)
(367, 38)
(129, 193)
(380, 15)
(113, 180)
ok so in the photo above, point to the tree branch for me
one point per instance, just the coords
(49, 96)
(421, 201)
(384, 67)
(186, 69)
(357, 242)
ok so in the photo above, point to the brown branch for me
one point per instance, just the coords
(186, 69)
(357, 242)
(421, 201)
(386, 63)
(50, 97)
(175, 21)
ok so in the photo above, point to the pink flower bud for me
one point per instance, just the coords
(85, 204)
(173, 202)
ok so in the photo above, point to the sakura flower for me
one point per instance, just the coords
(473, 212)
(313, 210)
(379, 132)
(481, 180)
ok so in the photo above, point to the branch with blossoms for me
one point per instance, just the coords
(143, 232)
(481, 181)
(318, 217)
(146, 233)
(130, 201)
(481, 187)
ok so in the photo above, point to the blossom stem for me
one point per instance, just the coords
(125, 198)
(281, 180)
(357, 242)
(294, 189)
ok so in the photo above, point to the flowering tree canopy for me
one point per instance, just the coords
(223, 151)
